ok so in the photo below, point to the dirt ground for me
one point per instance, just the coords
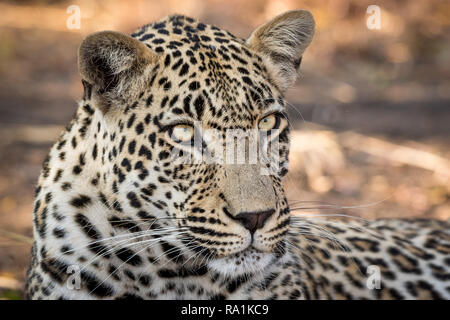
(371, 111)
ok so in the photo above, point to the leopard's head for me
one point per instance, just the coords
(192, 130)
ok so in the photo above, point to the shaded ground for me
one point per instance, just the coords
(391, 85)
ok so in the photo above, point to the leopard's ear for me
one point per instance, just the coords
(282, 42)
(114, 64)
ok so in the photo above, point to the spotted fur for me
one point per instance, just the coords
(115, 217)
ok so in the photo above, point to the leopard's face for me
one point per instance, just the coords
(167, 183)
(200, 139)
(210, 201)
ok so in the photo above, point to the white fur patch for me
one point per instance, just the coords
(244, 262)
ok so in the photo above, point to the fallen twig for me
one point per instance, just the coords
(396, 153)
(15, 236)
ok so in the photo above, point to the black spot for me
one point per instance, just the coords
(134, 202)
(59, 233)
(140, 128)
(77, 170)
(130, 226)
(74, 142)
(173, 101)
(144, 151)
(177, 111)
(147, 36)
(199, 103)
(167, 273)
(66, 186)
(129, 274)
(242, 70)
(149, 100)
(394, 293)
(173, 253)
(129, 256)
(167, 86)
(41, 223)
(152, 139)
(163, 155)
(132, 147)
(194, 85)
(94, 152)
(184, 69)
(167, 61)
(55, 269)
(248, 81)
(87, 227)
(187, 104)
(145, 280)
(48, 197)
(411, 288)
(126, 163)
(131, 120)
(81, 201)
(295, 294)
(428, 287)
(162, 179)
(235, 283)
(179, 62)
(95, 285)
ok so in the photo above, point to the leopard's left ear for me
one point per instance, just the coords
(116, 65)
(282, 41)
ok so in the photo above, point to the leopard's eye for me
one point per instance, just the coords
(182, 133)
(270, 122)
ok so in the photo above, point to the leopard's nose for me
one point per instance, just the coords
(253, 221)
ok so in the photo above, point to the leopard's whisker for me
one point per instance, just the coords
(144, 233)
(112, 246)
(116, 247)
(118, 268)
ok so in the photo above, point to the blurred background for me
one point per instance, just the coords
(371, 111)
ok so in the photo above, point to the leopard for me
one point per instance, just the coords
(125, 208)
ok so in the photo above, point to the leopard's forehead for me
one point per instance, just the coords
(179, 32)
(207, 73)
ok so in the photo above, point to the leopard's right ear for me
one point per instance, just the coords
(282, 41)
(115, 65)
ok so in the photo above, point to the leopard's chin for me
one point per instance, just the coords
(247, 261)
